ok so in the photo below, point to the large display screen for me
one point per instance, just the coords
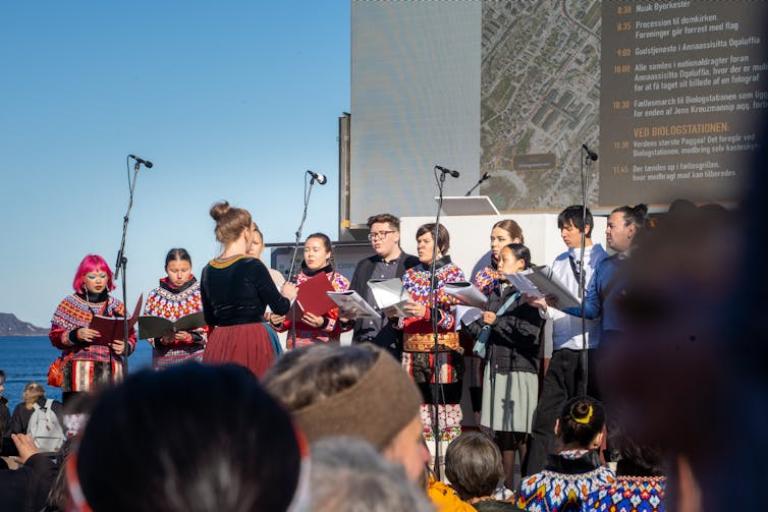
(667, 93)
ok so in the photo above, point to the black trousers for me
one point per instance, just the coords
(563, 381)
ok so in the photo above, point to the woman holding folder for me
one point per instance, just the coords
(508, 334)
(487, 280)
(177, 296)
(310, 327)
(235, 289)
(418, 340)
(86, 359)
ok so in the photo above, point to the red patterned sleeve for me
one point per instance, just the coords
(59, 337)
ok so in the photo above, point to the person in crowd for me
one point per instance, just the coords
(473, 466)
(418, 340)
(574, 471)
(87, 361)
(33, 394)
(625, 224)
(565, 373)
(389, 262)
(5, 416)
(238, 453)
(235, 289)
(503, 233)
(26, 488)
(358, 391)
(76, 414)
(311, 328)
(511, 381)
(688, 371)
(177, 296)
(640, 480)
(445, 498)
(347, 474)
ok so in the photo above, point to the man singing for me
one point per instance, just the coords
(388, 262)
(563, 380)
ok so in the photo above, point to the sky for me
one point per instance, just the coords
(231, 100)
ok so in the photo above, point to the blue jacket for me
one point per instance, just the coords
(600, 297)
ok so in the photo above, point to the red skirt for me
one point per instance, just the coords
(248, 345)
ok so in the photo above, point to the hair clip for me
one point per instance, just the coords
(585, 420)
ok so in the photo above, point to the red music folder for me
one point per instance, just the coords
(111, 328)
(312, 296)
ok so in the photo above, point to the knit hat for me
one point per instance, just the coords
(376, 408)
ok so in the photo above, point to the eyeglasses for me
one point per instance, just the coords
(379, 235)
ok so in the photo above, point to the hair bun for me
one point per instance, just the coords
(640, 210)
(218, 210)
(581, 410)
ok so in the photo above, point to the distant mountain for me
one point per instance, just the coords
(12, 326)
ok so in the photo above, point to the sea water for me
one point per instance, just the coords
(26, 359)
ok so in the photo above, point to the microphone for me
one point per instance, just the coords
(146, 163)
(443, 170)
(319, 178)
(591, 154)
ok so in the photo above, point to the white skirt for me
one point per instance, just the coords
(508, 406)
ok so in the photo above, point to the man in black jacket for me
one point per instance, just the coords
(388, 262)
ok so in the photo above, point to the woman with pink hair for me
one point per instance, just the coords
(85, 361)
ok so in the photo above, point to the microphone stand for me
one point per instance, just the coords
(122, 264)
(584, 168)
(307, 194)
(436, 338)
(484, 177)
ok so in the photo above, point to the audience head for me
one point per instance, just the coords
(384, 234)
(318, 252)
(503, 233)
(636, 459)
(581, 423)
(624, 225)
(425, 242)
(348, 475)
(571, 224)
(473, 465)
(514, 258)
(2, 382)
(93, 276)
(232, 224)
(358, 391)
(150, 444)
(178, 266)
(32, 393)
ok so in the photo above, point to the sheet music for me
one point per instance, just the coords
(467, 293)
(389, 295)
(352, 305)
(466, 315)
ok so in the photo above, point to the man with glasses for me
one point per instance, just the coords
(388, 262)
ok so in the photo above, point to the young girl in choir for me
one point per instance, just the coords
(510, 379)
(503, 233)
(177, 296)
(311, 328)
(86, 360)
